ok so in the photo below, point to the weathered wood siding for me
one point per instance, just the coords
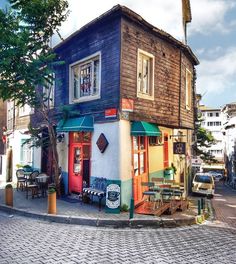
(168, 107)
(104, 37)
(3, 113)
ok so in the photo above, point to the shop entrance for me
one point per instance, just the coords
(140, 157)
(79, 160)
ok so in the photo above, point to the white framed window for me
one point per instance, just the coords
(188, 88)
(24, 110)
(145, 75)
(85, 79)
(26, 153)
(10, 114)
(48, 92)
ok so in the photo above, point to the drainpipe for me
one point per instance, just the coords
(180, 84)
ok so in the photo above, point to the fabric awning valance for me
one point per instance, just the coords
(141, 128)
(76, 124)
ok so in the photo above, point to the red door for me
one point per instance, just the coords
(76, 168)
(79, 161)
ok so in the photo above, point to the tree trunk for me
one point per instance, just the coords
(53, 141)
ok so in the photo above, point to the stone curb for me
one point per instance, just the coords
(101, 222)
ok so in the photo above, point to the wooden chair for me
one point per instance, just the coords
(153, 196)
(158, 180)
(21, 180)
(31, 185)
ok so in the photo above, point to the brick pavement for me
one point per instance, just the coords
(26, 240)
(73, 210)
(224, 204)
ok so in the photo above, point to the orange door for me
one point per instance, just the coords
(140, 167)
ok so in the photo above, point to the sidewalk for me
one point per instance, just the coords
(76, 212)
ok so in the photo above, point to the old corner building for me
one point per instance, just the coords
(130, 90)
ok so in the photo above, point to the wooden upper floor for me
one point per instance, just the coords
(121, 56)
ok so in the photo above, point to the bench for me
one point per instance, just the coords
(98, 189)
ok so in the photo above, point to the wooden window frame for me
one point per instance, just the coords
(77, 67)
(188, 89)
(138, 152)
(149, 94)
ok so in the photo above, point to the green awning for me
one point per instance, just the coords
(141, 128)
(76, 124)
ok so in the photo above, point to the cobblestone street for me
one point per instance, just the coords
(26, 240)
(224, 204)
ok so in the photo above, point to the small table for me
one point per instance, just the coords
(42, 180)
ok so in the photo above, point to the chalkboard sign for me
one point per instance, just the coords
(179, 148)
(113, 197)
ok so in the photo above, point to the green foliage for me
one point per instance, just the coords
(124, 208)
(26, 58)
(51, 190)
(8, 186)
(204, 140)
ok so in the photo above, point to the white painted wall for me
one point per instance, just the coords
(106, 164)
(37, 154)
(15, 143)
(125, 148)
(62, 148)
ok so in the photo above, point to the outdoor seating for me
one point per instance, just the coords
(42, 182)
(152, 194)
(21, 180)
(31, 185)
(98, 189)
(158, 180)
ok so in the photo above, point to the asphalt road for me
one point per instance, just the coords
(26, 240)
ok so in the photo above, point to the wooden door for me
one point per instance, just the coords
(140, 166)
(166, 151)
(76, 168)
(79, 161)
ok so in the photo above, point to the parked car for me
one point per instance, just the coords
(203, 183)
(216, 175)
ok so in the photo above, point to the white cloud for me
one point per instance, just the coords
(165, 15)
(217, 77)
(209, 15)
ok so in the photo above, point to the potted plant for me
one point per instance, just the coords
(169, 173)
(52, 200)
(9, 195)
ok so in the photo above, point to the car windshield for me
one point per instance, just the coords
(203, 178)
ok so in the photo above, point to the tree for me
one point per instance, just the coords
(204, 140)
(27, 61)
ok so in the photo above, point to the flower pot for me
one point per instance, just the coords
(52, 203)
(169, 174)
(9, 196)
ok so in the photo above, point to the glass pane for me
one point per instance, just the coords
(136, 172)
(77, 160)
(96, 78)
(86, 152)
(142, 168)
(87, 137)
(85, 79)
(142, 142)
(135, 143)
(75, 76)
(140, 75)
(77, 137)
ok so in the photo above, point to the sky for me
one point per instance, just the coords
(211, 36)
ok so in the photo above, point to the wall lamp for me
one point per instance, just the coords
(60, 137)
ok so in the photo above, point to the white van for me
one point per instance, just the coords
(203, 183)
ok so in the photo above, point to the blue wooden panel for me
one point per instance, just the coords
(104, 38)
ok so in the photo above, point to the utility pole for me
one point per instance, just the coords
(186, 16)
